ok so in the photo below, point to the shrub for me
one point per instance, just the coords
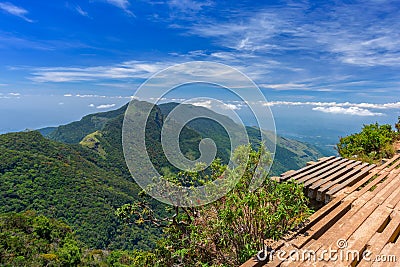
(230, 230)
(373, 143)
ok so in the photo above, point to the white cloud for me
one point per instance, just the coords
(390, 105)
(231, 106)
(189, 5)
(116, 85)
(119, 3)
(205, 104)
(81, 11)
(348, 111)
(394, 105)
(99, 96)
(254, 31)
(122, 4)
(224, 55)
(89, 96)
(15, 10)
(346, 108)
(363, 33)
(284, 86)
(210, 104)
(10, 95)
(91, 105)
(14, 40)
(124, 70)
(105, 106)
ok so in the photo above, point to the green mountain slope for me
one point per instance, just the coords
(68, 182)
(289, 154)
(107, 142)
(79, 185)
(30, 240)
(74, 132)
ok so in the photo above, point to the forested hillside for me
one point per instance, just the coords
(29, 239)
(290, 154)
(83, 179)
(68, 182)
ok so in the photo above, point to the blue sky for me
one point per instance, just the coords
(70, 58)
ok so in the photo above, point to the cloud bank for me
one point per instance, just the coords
(356, 111)
(105, 106)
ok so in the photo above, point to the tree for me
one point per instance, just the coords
(397, 125)
(373, 143)
(27, 239)
(230, 230)
(70, 253)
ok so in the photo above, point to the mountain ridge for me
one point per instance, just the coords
(289, 154)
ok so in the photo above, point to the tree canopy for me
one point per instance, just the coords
(373, 143)
(230, 230)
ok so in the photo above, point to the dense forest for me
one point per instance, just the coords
(69, 183)
(29, 239)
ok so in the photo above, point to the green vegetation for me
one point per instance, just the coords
(289, 154)
(30, 240)
(397, 124)
(74, 132)
(230, 230)
(92, 141)
(373, 143)
(69, 183)
(83, 179)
